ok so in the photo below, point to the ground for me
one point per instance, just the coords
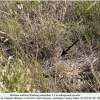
(33, 36)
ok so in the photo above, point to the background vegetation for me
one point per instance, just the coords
(33, 35)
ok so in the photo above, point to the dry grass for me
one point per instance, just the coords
(32, 37)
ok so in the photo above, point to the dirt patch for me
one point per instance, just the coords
(7, 45)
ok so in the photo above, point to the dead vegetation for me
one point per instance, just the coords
(32, 38)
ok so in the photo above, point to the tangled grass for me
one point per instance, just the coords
(32, 37)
